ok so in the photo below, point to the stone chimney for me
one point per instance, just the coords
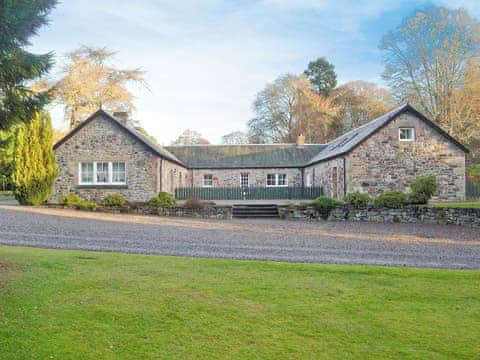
(122, 116)
(300, 141)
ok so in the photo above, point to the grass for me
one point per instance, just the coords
(6, 195)
(74, 304)
(462, 204)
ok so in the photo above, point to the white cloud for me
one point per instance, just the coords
(206, 60)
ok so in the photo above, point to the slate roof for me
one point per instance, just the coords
(261, 155)
(348, 141)
(245, 156)
(160, 151)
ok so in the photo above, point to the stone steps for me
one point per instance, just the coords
(255, 211)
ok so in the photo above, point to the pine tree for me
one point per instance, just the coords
(35, 168)
(19, 21)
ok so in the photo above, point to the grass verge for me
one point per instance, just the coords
(463, 204)
(6, 195)
(89, 305)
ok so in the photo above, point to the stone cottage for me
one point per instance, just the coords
(104, 155)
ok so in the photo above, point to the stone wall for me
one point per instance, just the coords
(329, 175)
(173, 176)
(383, 162)
(407, 214)
(207, 212)
(222, 212)
(257, 177)
(103, 140)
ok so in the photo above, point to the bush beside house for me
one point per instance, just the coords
(358, 199)
(34, 161)
(163, 199)
(114, 200)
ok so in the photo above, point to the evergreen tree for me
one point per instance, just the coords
(35, 168)
(19, 21)
(322, 75)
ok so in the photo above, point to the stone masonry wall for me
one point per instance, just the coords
(99, 140)
(407, 214)
(173, 176)
(257, 177)
(383, 162)
(325, 174)
(208, 212)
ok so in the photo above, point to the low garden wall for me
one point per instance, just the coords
(205, 212)
(406, 214)
(208, 212)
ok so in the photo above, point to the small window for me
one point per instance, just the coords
(406, 134)
(102, 172)
(207, 180)
(244, 180)
(271, 180)
(277, 180)
(308, 181)
(86, 173)
(118, 172)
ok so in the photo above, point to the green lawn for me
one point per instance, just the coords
(6, 195)
(87, 305)
(463, 204)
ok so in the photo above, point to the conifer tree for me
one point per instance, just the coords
(35, 169)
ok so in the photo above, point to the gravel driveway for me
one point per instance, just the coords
(279, 240)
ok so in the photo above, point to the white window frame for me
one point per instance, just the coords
(406, 128)
(110, 171)
(308, 180)
(110, 182)
(277, 180)
(242, 175)
(204, 178)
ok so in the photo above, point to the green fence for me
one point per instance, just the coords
(473, 189)
(251, 193)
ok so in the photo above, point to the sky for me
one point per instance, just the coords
(205, 60)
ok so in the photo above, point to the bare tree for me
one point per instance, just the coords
(359, 102)
(235, 138)
(190, 137)
(465, 109)
(287, 108)
(426, 57)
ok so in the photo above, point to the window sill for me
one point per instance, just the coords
(99, 186)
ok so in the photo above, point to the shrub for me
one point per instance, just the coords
(75, 201)
(422, 189)
(71, 200)
(163, 199)
(114, 200)
(325, 205)
(358, 199)
(87, 205)
(192, 203)
(391, 199)
(34, 168)
(474, 172)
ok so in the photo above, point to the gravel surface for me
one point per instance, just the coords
(278, 240)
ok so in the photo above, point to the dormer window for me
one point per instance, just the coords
(406, 134)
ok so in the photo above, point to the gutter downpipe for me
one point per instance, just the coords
(344, 177)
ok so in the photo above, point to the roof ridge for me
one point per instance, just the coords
(159, 150)
(271, 144)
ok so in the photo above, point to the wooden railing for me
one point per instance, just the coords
(250, 193)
